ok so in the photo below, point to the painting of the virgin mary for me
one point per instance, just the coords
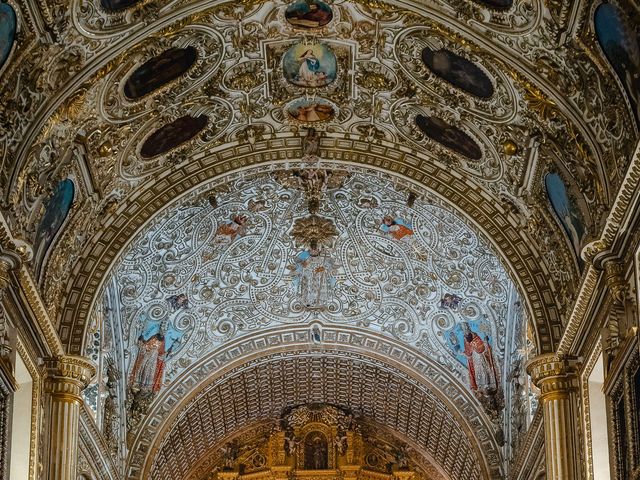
(309, 65)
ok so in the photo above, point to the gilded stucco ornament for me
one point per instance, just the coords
(373, 44)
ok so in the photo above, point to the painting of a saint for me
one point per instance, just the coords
(56, 211)
(472, 344)
(159, 70)
(314, 277)
(458, 71)
(450, 300)
(154, 346)
(309, 65)
(227, 232)
(620, 44)
(173, 134)
(449, 136)
(310, 111)
(483, 374)
(308, 14)
(396, 227)
(8, 23)
(315, 451)
(568, 214)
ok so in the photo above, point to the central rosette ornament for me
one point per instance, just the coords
(313, 231)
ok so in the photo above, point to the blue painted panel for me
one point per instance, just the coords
(55, 214)
(8, 22)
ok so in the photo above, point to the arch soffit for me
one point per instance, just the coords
(515, 249)
(157, 437)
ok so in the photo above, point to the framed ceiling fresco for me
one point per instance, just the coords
(311, 110)
(117, 5)
(309, 14)
(449, 136)
(458, 71)
(566, 210)
(620, 44)
(55, 213)
(8, 24)
(172, 135)
(158, 71)
(308, 65)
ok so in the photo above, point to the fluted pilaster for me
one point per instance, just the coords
(66, 378)
(556, 376)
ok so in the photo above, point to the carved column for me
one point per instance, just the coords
(66, 378)
(557, 378)
(5, 280)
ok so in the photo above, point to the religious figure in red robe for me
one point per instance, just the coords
(483, 376)
(148, 369)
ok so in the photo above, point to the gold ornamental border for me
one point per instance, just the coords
(518, 253)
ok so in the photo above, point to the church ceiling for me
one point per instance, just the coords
(262, 255)
(487, 95)
(220, 169)
(318, 247)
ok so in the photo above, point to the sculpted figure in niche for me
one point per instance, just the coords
(315, 281)
(311, 143)
(315, 452)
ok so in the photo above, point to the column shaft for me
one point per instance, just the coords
(556, 376)
(67, 377)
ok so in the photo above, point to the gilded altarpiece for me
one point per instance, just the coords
(316, 442)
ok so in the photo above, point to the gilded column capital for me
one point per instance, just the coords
(68, 374)
(614, 278)
(553, 373)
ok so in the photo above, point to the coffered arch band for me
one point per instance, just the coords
(514, 247)
(278, 366)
